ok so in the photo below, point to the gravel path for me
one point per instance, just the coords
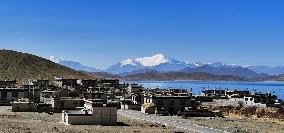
(241, 125)
(168, 121)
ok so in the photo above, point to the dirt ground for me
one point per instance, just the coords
(241, 125)
(28, 122)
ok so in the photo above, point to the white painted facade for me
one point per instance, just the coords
(93, 114)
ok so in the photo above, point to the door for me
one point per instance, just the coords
(3, 96)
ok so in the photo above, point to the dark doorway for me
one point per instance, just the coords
(171, 111)
(3, 96)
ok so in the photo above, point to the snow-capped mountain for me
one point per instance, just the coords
(158, 62)
(162, 63)
(72, 64)
(148, 61)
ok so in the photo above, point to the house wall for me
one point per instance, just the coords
(173, 105)
(137, 99)
(235, 102)
(228, 102)
(130, 106)
(100, 116)
(79, 120)
(39, 82)
(88, 83)
(21, 94)
(66, 104)
(24, 107)
(250, 102)
(102, 96)
(105, 115)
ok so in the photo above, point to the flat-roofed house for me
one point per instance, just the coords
(66, 103)
(61, 82)
(88, 83)
(167, 100)
(8, 95)
(135, 88)
(260, 100)
(94, 113)
(39, 82)
(108, 83)
(214, 92)
(96, 95)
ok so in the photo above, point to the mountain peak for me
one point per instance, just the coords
(158, 62)
(153, 60)
(216, 64)
(72, 64)
(128, 62)
(56, 59)
(146, 61)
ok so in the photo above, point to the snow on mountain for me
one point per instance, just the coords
(56, 59)
(198, 64)
(153, 60)
(215, 64)
(162, 63)
(128, 62)
(158, 62)
(72, 64)
(147, 61)
(220, 64)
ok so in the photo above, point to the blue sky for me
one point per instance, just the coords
(100, 33)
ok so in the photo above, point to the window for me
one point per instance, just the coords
(251, 99)
(246, 99)
(14, 94)
(99, 96)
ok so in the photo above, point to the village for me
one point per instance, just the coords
(100, 101)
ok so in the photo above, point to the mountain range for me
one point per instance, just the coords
(157, 62)
(24, 66)
(163, 64)
(73, 64)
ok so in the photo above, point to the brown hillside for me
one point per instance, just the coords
(23, 66)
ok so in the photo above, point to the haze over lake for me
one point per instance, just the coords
(276, 88)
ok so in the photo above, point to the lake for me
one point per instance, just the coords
(276, 88)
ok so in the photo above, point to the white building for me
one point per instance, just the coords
(94, 113)
(250, 101)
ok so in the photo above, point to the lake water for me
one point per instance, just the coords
(276, 88)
